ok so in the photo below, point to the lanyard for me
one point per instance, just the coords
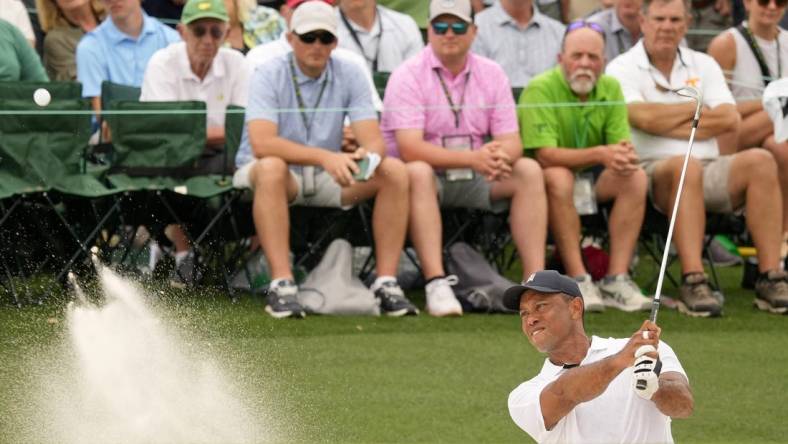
(581, 130)
(455, 109)
(759, 54)
(300, 98)
(358, 41)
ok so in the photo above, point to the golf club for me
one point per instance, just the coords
(692, 93)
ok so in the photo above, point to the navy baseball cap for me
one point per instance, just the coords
(545, 281)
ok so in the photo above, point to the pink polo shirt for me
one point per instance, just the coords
(415, 99)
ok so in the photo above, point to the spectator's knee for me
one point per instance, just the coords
(559, 182)
(393, 172)
(694, 170)
(759, 163)
(268, 171)
(421, 175)
(527, 170)
(638, 182)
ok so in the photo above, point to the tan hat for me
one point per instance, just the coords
(458, 8)
(314, 16)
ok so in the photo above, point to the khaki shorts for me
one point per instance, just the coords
(715, 183)
(474, 193)
(328, 193)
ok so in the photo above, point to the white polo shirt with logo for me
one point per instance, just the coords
(169, 77)
(618, 415)
(642, 82)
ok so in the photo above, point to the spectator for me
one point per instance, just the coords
(517, 36)
(621, 25)
(118, 49)
(18, 60)
(594, 140)
(252, 24)
(742, 61)
(385, 38)
(440, 107)
(579, 394)
(297, 158)
(168, 11)
(662, 120)
(64, 23)
(198, 69)
(271, 50)
(15, 13)
(709, 17)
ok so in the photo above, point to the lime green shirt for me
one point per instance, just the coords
(18, 60)
(571, 126)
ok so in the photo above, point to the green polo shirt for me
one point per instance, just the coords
(571, 126)
(18, 60)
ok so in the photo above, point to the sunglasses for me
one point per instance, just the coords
(458, 28)
(200, 30)
(325, 38)
(577, 24)
(777, 3)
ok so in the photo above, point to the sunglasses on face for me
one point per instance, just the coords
(458, 28)
(199, 31)
(777, 3)
(577, 24)
(309, 38)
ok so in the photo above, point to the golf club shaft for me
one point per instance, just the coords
(666, 252)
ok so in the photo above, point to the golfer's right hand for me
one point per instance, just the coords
(341, 166)
(647, 334)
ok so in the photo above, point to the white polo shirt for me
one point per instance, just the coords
(394, 38)
(271, 50)
(169, 76)
(639, 79)
(618, 415)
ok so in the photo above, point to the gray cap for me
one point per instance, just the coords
(458, 8)
(545, 281)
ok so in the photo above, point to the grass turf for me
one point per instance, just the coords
(430, 380)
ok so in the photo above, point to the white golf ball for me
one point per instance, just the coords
(42, 97)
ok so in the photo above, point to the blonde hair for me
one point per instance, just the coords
(50, 15)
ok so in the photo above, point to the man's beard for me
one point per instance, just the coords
(582, 85)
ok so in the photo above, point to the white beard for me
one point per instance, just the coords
(582, 85)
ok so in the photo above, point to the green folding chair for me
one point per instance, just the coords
(381, 79)
(24, 90)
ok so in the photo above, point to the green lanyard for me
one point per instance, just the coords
(455, 109)
(581, 133)
(300, 98)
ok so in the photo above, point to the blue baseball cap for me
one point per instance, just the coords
(545, 281)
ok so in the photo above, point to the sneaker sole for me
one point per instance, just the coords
(612, 303)
(449, 314)
(683, 309)
(765, 306)
(284, 314)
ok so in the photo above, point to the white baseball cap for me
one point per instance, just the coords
(314, 16)
(458, 8)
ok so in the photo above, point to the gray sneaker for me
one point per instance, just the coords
(696, 297)
(282, 301)
(720, 255)
(187, 273)
(393, 301)
(771, 292)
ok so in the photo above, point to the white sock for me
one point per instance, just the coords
(180, 256)
(381, 280)
(275, 282)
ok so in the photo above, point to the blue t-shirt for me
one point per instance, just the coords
(108, 54)
(272, 97)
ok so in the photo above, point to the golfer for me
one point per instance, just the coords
(592, 390)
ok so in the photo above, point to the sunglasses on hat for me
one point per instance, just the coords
(458, 28)
(309, 38)
(577, 24)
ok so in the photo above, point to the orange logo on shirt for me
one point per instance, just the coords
(692, 81)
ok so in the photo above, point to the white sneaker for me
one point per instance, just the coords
(440, 297)
(622, 293)
(592, 299)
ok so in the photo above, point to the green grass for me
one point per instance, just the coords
(429, 380)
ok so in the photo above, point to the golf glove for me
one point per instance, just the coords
(646, 372)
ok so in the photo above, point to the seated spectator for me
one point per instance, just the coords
(15, 13)
(622, 26)
(297, 158)
(589, 140)
(662, 122)
(19, 60)
(64, 23)
(118, 49)
(198, 69)
(252, 24)
(263, 53)
(709, 17)
(440, 109)
(517, 36)
(743, 53)
(166, 10)
(385, 38)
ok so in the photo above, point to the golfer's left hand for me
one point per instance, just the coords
(645, 372)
